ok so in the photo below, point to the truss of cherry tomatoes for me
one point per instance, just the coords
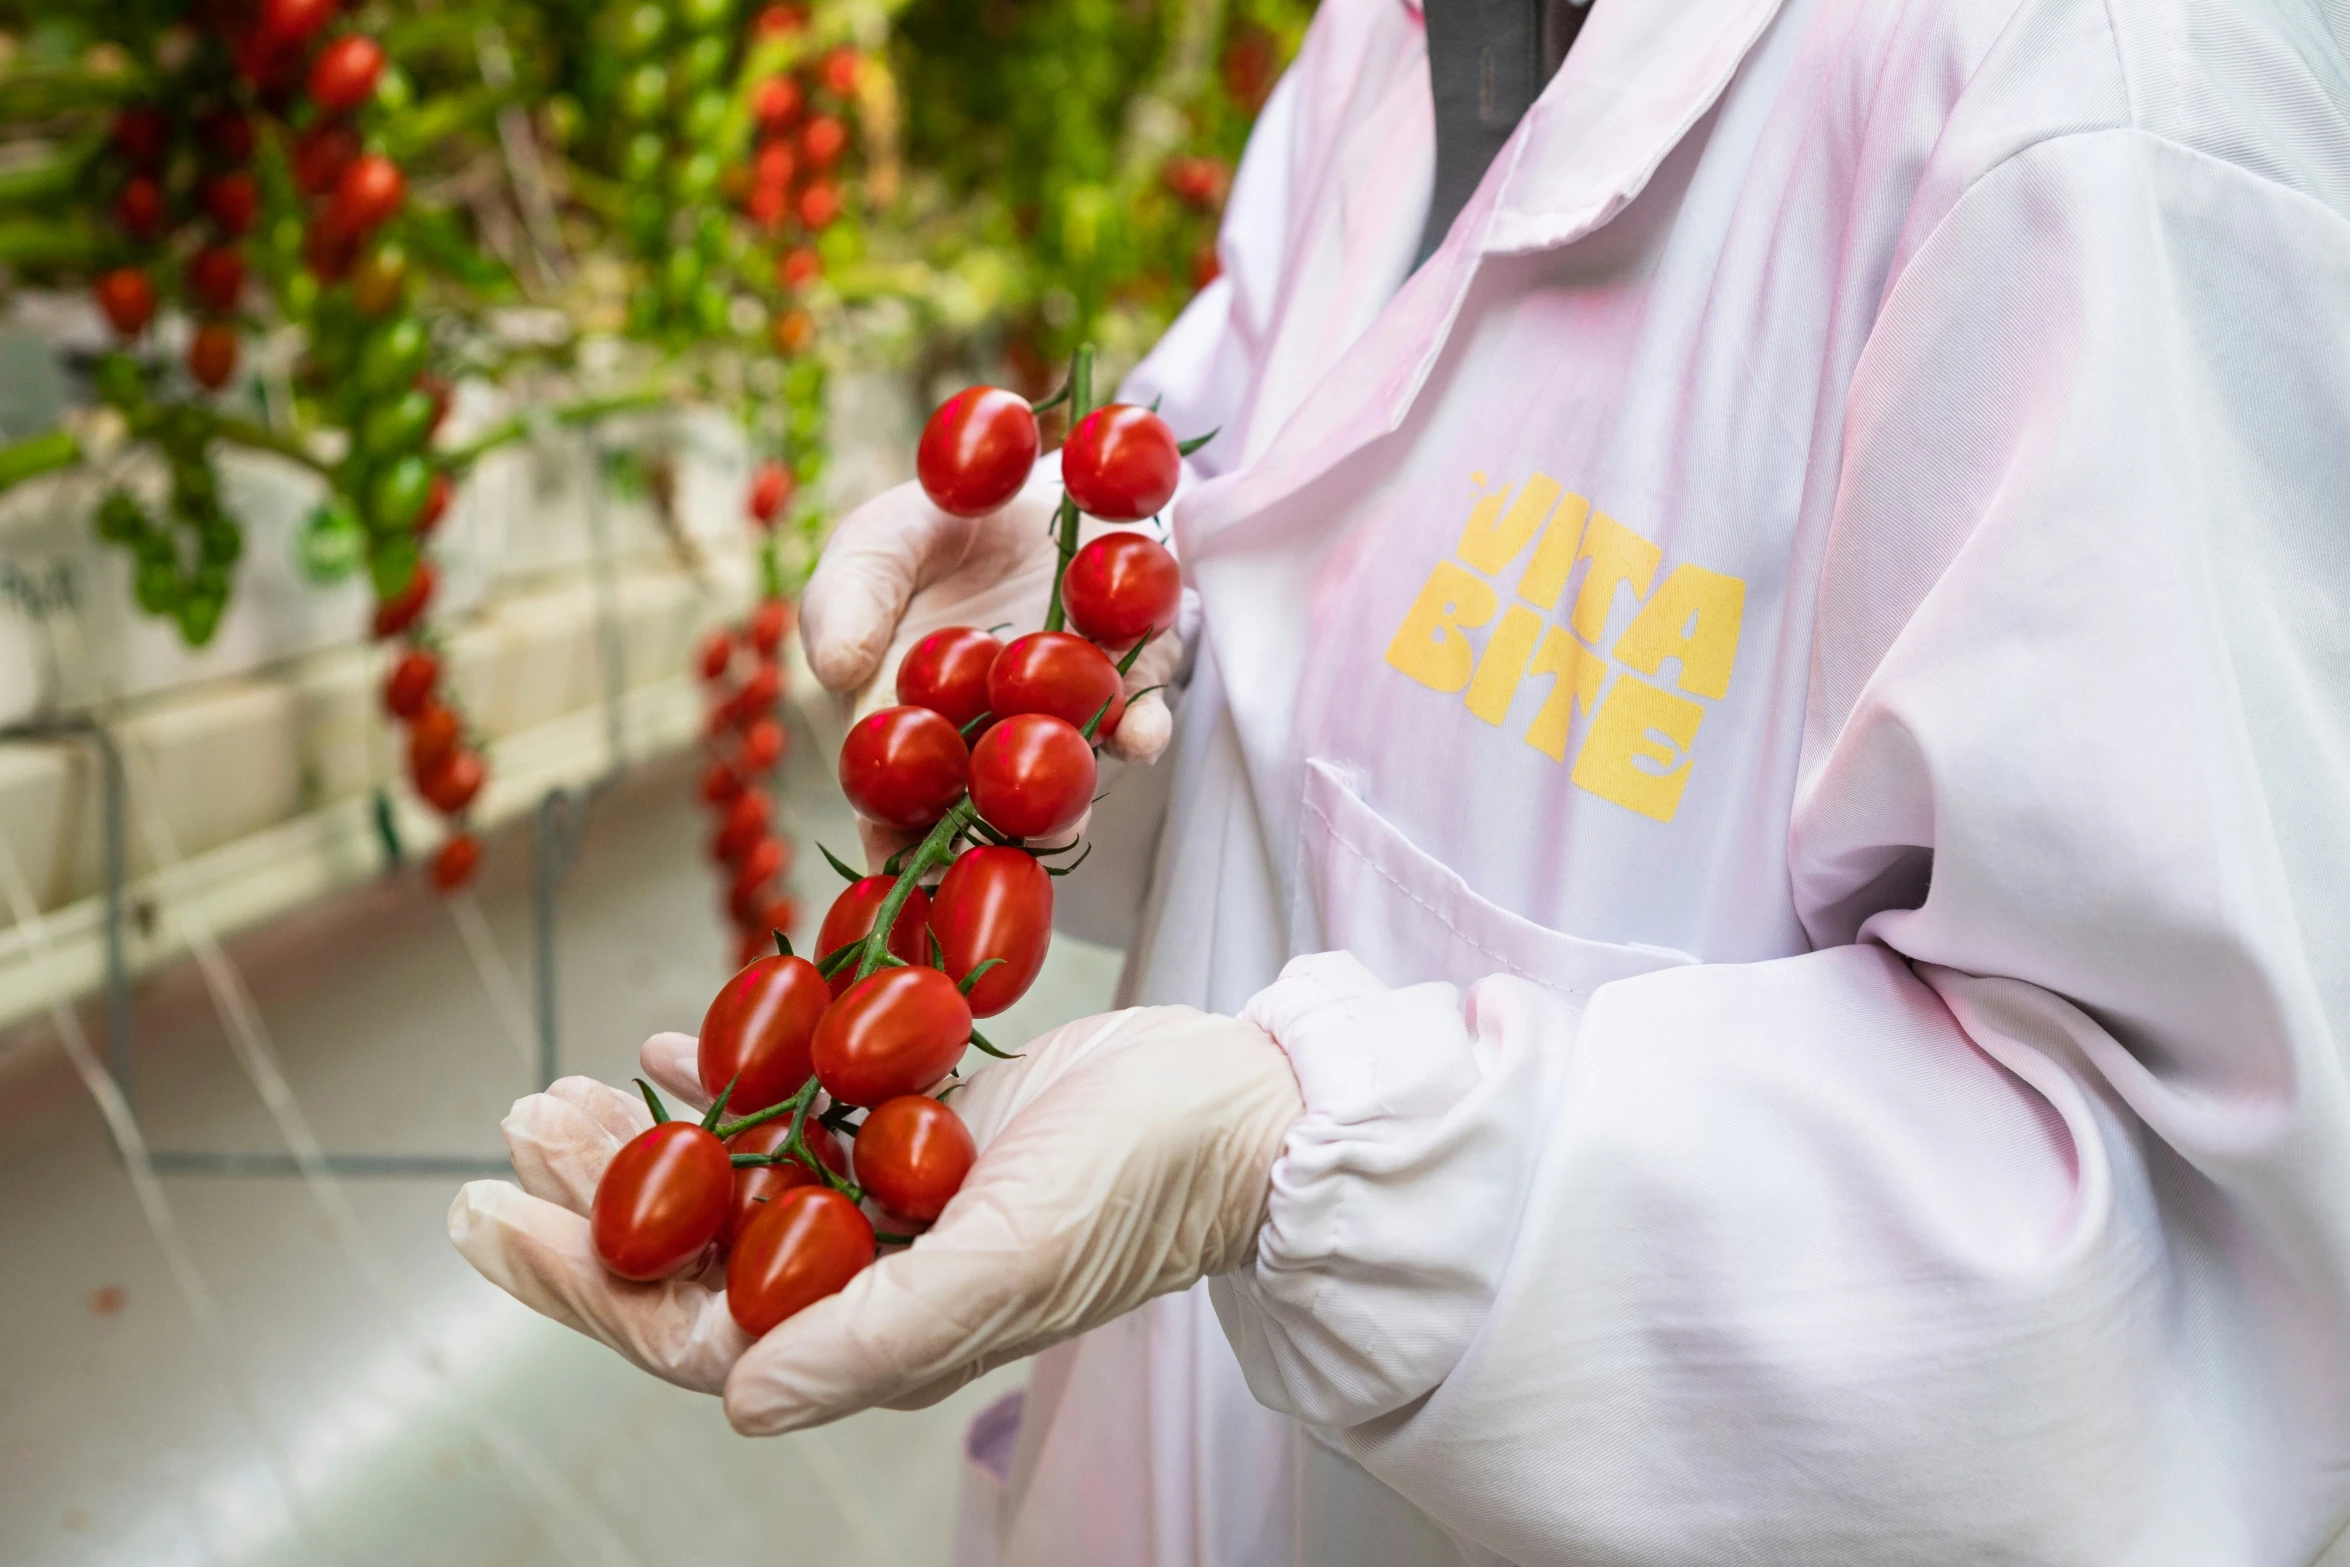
(989, 752)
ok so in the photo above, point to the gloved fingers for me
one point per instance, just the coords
(1010, 602)
(1148, 723)
(672, 1062)
(541, 1255)
(561, 1140)
(999, 1090)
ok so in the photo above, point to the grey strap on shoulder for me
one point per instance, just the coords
(1488, 60)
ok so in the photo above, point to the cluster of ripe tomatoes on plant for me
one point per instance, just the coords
(742, 667)
(444, 765)
(990, 747)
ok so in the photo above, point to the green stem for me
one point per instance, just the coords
(936, 849)
(244, 432)
(37, 454)
(1065, 526)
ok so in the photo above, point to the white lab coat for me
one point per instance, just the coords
(1821, 610)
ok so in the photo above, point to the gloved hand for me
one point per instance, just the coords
(1121, 1157)
(897, 568)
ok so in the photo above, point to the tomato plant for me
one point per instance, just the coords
(1032, 776)
(977, 450)
(851, 918)
(912, 1155)
(806, 1244)
(995, 903)
(897, 1031)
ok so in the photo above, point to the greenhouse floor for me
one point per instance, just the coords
(362, 1397)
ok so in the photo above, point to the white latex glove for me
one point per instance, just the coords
(1121, 1157)
(897, 568)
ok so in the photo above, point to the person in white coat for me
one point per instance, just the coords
(1758, 828)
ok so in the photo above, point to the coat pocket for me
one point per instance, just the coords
(1366, 888)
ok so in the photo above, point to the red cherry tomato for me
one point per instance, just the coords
(851, 919)
(947, 672)
(661, 1201)
(212, 355)
(402, 610)
(760, 864)
(823, 139)
(128, 299)
(896, 1031)
(321, 154)
(1121, 463)
(410, 684)
(1121, 588)
(1057, 673)
(775, 102)
(452, 785)
(977, 451)
(717, 653)
(807, 1244)
(903, 766)
(756, 698)
(453, 867)
(368, 192)
(142, 134)
(745, 824)
(994, 903)
(433, 736)
(799, 267)
(216, 276)
(912, 1155)
(721, 784)
(232, 201)
(295, 20)
(757, 1185)
(762, 745)
(344, 75)
(819, 204)
(436, 505)
(756, 1033)
(139, 209)
(1032, 776)
(769, 622)
(770, 489)
(840, 71)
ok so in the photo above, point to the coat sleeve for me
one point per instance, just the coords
(2012, 1223)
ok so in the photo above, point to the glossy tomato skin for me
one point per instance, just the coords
(807, 1244)
(896, 1031)
(128, 299)
(452, 785)
(410, 684)
(344, 75)
(661, 1201)
(757, 1185)
(903, 766)
(994, 903)
(454, 865)
(977, 451)
(1121, 463)
(1057, 673)
(432, 735)
(1032, 776)
(1121, 588)
(404, 608)
(757, 1031)
(947, 672)
(851, 917)
(912, 1155)
(366, 193)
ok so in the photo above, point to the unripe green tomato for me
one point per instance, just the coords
(399, 494)
(644, 91)
(681, 275)
(393, 354)
(705, 115)
(221, 541)
(199, 617)
(157, 586)
(391, 561)
(641, 160)
(194, 490)
(710, 308)
(640, 30)
(331, 543)
(120, 519)
(697, 177)
(704, 15)
(705, 60)
(397, 426)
